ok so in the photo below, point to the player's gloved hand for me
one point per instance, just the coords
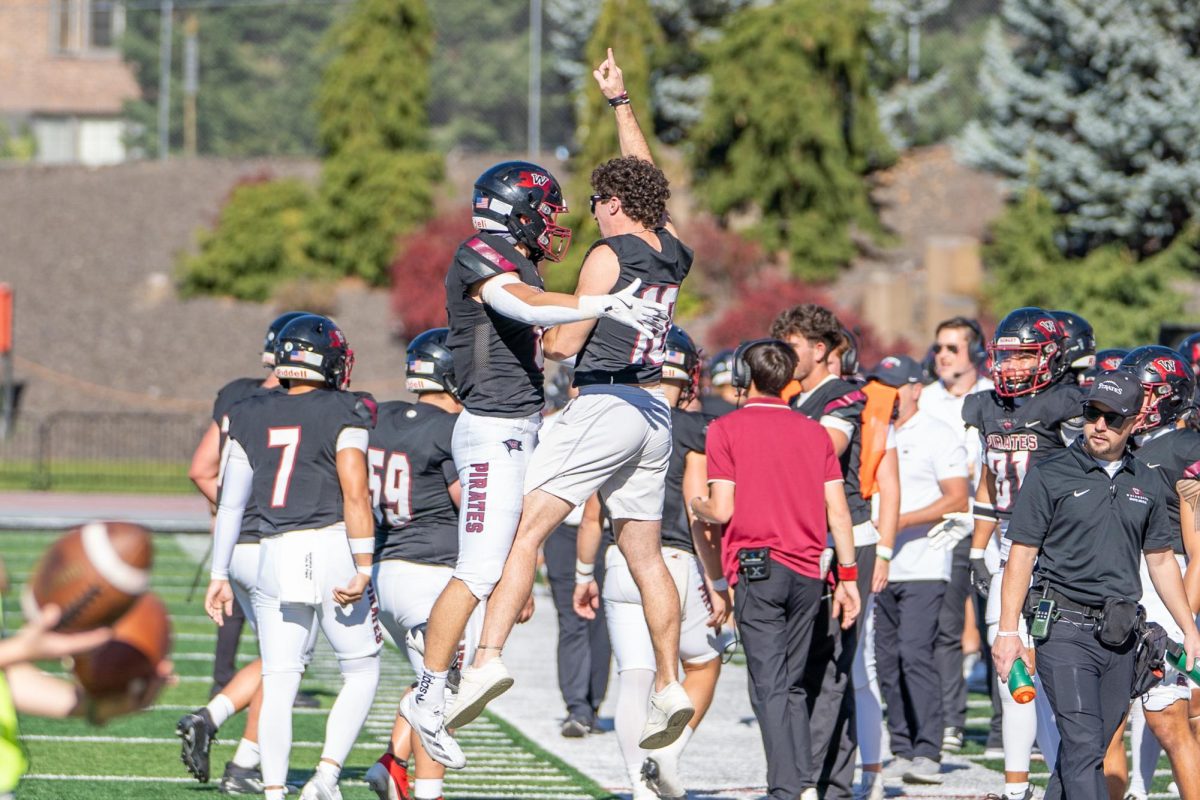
(951, 530)
(981, 576)
(649, 318)
(354, 590)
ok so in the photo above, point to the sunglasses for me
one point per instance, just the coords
(598, 198)
(1111, 418)
(953, 348)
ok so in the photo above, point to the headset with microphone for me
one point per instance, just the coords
(976, 346)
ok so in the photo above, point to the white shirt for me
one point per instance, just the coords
(939, 403)
(929, 451)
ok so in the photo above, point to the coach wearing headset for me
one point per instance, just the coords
(788, 485)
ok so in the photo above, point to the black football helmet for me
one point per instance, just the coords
(429, 363)
(1026, 351)
(268, 353)
(523, 200)
(1190, 349)
(1079, 349)
(682, 362)
(313, 348)
(1167, 382)
(720, 368)
(1106, 360)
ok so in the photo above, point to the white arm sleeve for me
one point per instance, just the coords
(513, 307)
(235, 492)
(356, 438)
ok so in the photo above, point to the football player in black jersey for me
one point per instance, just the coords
(838, 405)
(199, 728)
(1079, 345)
(615, 437)
(1029, 416)
(1163, 443)
(722, 397)
(415, 496)
(692, 552)
(302, 455)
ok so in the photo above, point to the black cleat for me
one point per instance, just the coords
(241, 780)
(197, 732)
(306, 700)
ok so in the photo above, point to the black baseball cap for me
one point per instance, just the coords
(897, 371)
(1118, 391)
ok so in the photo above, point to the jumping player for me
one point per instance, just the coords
(615, 437)
(302, 455)
(497, 310)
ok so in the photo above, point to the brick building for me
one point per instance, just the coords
(62, 76)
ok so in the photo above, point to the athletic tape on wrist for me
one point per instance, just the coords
(362, 546)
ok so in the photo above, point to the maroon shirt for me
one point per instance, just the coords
(780, 462)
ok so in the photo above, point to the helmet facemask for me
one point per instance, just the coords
(1035, 372)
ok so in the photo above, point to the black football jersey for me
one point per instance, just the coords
(411, 470)
(688, 430)
(716, 406)
(497, 360)
(230, 395)
(291, 441)
(1015, 437)
(846, 401)
(617, 353)
(1176, 456)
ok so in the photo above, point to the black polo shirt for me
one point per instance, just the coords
(1091, 530)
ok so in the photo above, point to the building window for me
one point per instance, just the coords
(82, 26)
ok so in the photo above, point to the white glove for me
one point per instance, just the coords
(951, 530)
(649, 318)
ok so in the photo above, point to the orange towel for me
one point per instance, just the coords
(881, 402)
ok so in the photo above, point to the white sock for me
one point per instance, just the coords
(328, 773)
(275, 738)
(360, 678)
(220, 708)
(247, 754)
(1145, 748)
(1015, 791)
(633, 691)
(274, 794)
(427, 788)
(430, 694)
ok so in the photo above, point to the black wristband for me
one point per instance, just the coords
(619, 100)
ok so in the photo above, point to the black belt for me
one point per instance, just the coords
(1068, 609)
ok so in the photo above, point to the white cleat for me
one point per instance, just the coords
(669, 713)
(436, 740)
(317, 789)
(662, 776)
(478, 688)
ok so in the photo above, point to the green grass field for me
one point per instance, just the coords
(137, 757)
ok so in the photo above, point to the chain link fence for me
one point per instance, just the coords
(102, 452)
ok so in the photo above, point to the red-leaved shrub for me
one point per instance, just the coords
(419, 273)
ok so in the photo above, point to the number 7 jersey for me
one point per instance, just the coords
(1015, 437)
(291, 442)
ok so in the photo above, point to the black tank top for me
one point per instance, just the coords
(616, 353)
(497, 360)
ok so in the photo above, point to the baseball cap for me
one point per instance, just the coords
(897, 371)
(1119, 391)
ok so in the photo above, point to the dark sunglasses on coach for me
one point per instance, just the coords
(598, 198)
(953, 348)
(1111, 418)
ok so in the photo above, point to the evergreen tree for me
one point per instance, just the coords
(1123, 299)
(379, 173)
(790, 129)
(1095, 104)
(258, 70)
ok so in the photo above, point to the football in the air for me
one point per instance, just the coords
(141, 640)
(94, 573)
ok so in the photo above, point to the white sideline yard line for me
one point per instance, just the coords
(314, 712)
(43, 737)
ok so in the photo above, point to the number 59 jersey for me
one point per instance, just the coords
(291, 441)
(411, 469)
(1015, 437)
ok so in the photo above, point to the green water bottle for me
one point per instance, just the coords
(1020, 685)
(1178, 658)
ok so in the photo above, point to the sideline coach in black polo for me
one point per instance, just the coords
(1084, 516)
